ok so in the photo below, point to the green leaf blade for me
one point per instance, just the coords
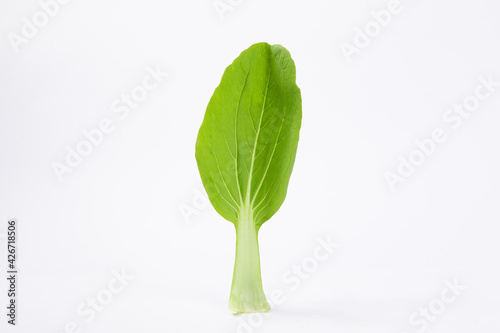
(248, 140)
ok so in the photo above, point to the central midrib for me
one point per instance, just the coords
(247, 198)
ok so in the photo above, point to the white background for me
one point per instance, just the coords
(120, 209)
